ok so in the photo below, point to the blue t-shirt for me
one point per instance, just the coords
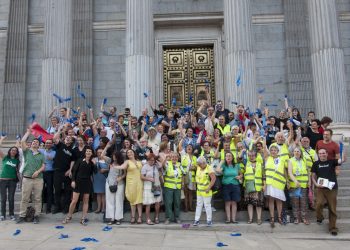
(49, 156)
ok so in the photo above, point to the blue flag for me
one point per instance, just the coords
(239, 77)
(104, 101)
(145, 94)
(261, 90)
(62, 99)
(80, 93)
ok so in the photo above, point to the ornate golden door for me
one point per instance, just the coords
(188, 75)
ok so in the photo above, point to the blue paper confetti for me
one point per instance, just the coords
(79, 248)
(104, 101)
(88, 239)
(235, 103)
(173, 102)
(186, 226)
(17, 232)
(62, 99)
(107, 228)
(32, 118)
(220, 244)
(80, 93)
(75, 111)
(239, 77)
(271, 105)
(59, 227)
(236, 234)
(261, 90)
(63, 236)
(145, 94)
(89, 106)
(285, 96)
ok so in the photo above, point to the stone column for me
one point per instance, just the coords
(139, 54)
(240, 57)
(15, 70)
(327, 61)
(57, 58)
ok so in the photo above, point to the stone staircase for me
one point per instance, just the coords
(343, 210)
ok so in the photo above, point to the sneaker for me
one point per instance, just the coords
(12, 217)
(20, 220)
(167, 222)
(334, 233)
(36, 220)
(2, 218)
(209, 223)
(117, 222)
(196, 223)
(177, 221)
(319, 222)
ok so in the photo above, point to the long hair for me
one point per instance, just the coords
(9, 153)
(119, 158)
(233, 159)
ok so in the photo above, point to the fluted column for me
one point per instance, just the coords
(327, 61)
(57, 60)
(240, 58)
(15, 70)
(139, 54)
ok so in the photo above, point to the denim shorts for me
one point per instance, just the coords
(231, 192)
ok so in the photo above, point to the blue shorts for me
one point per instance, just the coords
(231, 192)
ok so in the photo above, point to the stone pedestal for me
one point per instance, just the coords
(57, 61)
(139, 54)
(240, 58)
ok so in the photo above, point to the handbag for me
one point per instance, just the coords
(112, 188)
(250, 186)
(156, 189)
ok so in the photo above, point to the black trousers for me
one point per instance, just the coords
(48, 188)
(7, 190)
(63, 190)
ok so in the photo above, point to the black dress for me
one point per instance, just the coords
(82, 175)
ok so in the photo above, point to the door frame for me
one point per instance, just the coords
(189, 36)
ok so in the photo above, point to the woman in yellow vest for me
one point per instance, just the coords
(231, 177)
(254, 181)
(173, 182)
(205, 179)
(188, 163)
(275, 174)
(299, 181)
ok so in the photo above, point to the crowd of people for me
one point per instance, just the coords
(176, 158)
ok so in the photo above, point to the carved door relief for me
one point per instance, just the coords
(187, 74)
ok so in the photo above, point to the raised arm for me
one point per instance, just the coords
(2, 138)
(24, 139)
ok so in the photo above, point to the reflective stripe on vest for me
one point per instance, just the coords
(302, 177)
(309, 157)
(249, 175)
(226, 129)
(170, 181)
(283, 153)
(203, 182)
(275, 177)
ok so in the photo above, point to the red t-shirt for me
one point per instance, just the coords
(332, 148)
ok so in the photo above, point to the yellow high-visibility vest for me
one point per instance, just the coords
(309, 156)
(203, 181)
(283, 153)
(274, 173)
(185, 162)
(170, 180)
(300, 173)
(249, 175)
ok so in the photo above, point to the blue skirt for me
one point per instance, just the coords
(99, 183)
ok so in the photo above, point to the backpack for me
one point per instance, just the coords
(30, 214)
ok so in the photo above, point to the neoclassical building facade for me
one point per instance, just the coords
(172, 50)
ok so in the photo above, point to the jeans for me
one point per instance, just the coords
(30, 186)
(172, 197)
(8, 189)
(60, 180)
(48, 188)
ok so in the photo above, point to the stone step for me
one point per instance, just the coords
(343, 181)
(343, 201)
(344, 191)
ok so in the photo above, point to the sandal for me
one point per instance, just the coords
(227, 221)
(280, 221)
(111, 222)
(156, 220)
(250, 221)
(139, 220)
(67, 220)
(259, 222)
(296, 221)
(132, 221)
(306, 221)
(84, 221)
(272, 222)
(149, 222)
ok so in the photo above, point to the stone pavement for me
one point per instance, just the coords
(126, 236)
